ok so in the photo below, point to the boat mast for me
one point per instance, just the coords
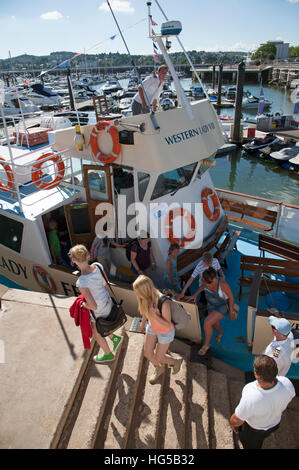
(179, 89)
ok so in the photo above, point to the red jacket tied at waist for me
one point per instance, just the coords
(81, 316)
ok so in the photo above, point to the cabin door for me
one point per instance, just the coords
(98, 188)
(81, 218)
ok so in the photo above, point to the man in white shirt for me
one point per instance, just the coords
(282, 346)
(149, 92)
(262, 403)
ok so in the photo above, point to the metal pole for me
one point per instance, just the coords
(69, 84)
(213, 77)
(219, 85)
(236, 137)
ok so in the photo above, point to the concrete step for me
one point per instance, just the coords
(123, 395)
(235, 388)
(197, 420)
(173, 412)
(146, 418)
(86, 416)
(221, 435)
(286, 436)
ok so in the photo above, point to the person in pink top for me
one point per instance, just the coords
(159, 329)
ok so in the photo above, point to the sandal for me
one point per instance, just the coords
(218, 338)
(203, 351)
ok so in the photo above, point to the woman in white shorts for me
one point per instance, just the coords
(92, 285)
(159, 330)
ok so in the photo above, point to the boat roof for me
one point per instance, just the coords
(36, 202)
(178, 139)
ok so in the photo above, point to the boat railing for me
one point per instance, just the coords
(286, 225)
(46, 183)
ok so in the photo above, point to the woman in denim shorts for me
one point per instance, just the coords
(159, 329)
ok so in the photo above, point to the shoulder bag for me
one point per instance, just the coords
(116, 318)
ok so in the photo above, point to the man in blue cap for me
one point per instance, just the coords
(282, 346)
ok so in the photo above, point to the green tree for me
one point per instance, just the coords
(294, 51)
(265, 52)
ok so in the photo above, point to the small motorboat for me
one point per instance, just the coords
(286, 154)
(252, 102)
(259, 143)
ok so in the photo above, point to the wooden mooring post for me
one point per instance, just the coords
(237, 136)
(219, 85)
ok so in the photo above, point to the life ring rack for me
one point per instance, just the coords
(205, 194)
(180, 212)
(36, 172)
(10, 176)
(109, 127)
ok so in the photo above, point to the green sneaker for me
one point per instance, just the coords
(116, 340)
(103, 359)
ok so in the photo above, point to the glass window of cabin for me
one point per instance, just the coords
(97, 183)
(74, 171)
(205, 165)
(143, 180)
(173, 180)
(11, 233)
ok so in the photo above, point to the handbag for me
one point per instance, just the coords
(116, 318)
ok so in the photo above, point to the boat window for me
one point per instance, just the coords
(11, 233)
(143, 180)
(123, 179)
(173, 180)
(205, 165)
(75, 170)
(98, 187)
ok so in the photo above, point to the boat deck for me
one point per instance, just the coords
(233, 348)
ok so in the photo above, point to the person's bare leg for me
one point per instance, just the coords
(212, 319)
(149, 349)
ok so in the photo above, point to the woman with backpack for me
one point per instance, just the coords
(159, 328)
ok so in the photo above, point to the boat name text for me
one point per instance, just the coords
(13, 267)
(188, 134)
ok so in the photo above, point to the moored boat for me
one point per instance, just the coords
(150, 170)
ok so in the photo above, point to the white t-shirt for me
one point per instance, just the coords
(152, 89)
(281, 351)
(262, 409)
(94, 282)
(201, 267)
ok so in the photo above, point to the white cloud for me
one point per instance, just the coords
(293, 1)
(239, 46)
(118, 5)
(52, 15)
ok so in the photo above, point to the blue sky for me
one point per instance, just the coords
(40, 27)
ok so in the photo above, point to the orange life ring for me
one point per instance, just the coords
(10, 176)
(111, 129)
(36, 172)
(44, 280)
(180, 212)
(212, 216)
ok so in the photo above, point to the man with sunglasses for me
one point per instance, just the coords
(282, 345)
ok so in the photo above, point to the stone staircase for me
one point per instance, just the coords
(116, 407)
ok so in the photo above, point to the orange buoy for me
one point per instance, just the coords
(36, 172)
(212, 216)
(10, 176)
(180, 212)
(111, 129)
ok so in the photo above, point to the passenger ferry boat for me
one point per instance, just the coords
(152, 160)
